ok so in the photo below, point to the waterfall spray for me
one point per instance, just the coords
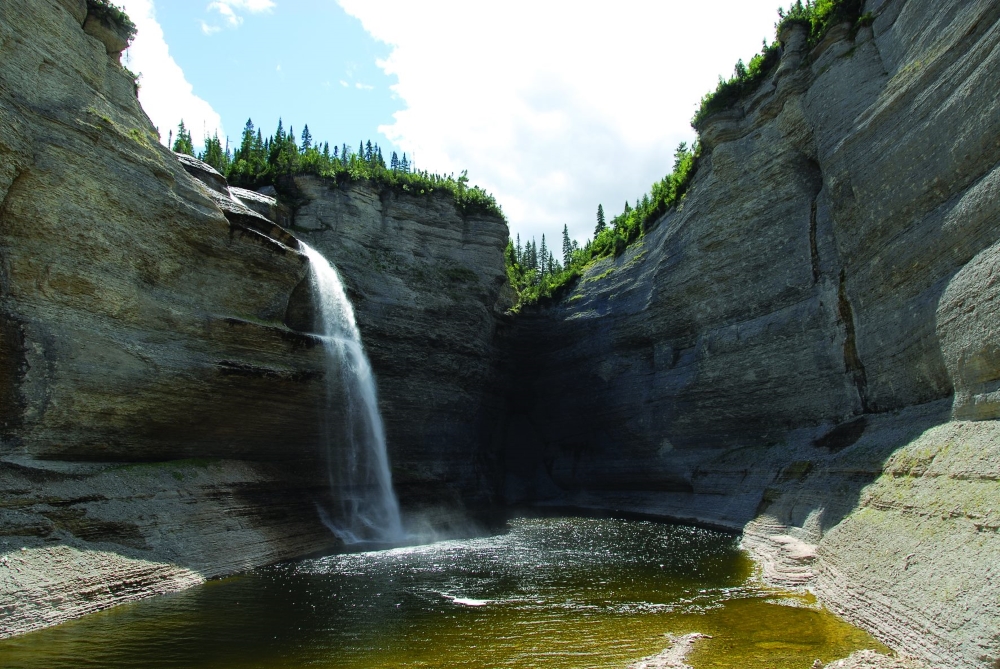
(360, 480)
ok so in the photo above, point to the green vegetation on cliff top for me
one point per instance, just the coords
(113, 15)
(261, 161)
(535, 280)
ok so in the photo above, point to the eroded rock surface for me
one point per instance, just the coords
(821, 304)
(427, 285)
(159, 406)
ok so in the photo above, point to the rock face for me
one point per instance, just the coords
(427, 286)
(823, 300)
(159, 386)
(805, 351)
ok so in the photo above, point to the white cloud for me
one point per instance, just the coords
(363, 87)
(209, 30)
(556, 106)
(228, 9)
(165, 93)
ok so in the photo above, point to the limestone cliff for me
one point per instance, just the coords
(806, 324)
(427, 284)
(159, 385)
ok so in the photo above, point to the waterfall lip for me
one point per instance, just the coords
(359, 474)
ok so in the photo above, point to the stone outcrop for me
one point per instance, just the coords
(160, 386)
(427, 285)
(804, 351)
(774, 354)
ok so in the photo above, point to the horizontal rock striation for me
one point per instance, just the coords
(428, 285)
(820, 304)
(160, 385)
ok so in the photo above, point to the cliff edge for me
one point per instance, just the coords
(160, 385)
(804, 350)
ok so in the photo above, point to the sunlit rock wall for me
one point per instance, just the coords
(823, 298)
(160, 387)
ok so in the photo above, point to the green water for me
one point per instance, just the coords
(553, 593)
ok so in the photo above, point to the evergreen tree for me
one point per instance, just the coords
(567, 246)
(183, 142)
(361, 150)
(246, 142)
(601, 223)
(520, 259)
(404, 164)
(306, 138)
(543, 256)
(369, 152)
(336, 151)
(394, 162)
(213, 154)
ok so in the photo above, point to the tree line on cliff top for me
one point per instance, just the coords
(537, 276)
(534, 270)
(261, 161)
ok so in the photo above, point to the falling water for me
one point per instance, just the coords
(360, 480)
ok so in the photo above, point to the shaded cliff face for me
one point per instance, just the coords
(427, 284)
(814, 273)
(160, 386)
(822, 299)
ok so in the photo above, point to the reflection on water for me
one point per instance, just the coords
(568, 592)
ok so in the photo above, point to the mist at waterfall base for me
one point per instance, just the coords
(364, 508)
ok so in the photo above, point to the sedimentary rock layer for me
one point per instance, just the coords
(822, 300)
(160, 385)
(428, 285)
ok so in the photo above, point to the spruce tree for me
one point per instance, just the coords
(404, 164)
(213, 154)
(306, 138)
(567, 246)
(394, 162)
(246, 142)
(517, 248)
(601, 223)
(183, 142)
(543, 256)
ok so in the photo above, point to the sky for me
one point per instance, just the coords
(552, 106)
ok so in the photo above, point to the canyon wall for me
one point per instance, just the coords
(805, 349)
(159, 386)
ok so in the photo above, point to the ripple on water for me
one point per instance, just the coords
(563, 593)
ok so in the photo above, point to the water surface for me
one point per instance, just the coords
(553, 593)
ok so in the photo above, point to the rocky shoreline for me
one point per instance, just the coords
(804, 351)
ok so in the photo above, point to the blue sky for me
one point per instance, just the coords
(306, 62)
(552, 106)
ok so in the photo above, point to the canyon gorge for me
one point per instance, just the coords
(805, 351)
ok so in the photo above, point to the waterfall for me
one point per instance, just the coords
(360, 480)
